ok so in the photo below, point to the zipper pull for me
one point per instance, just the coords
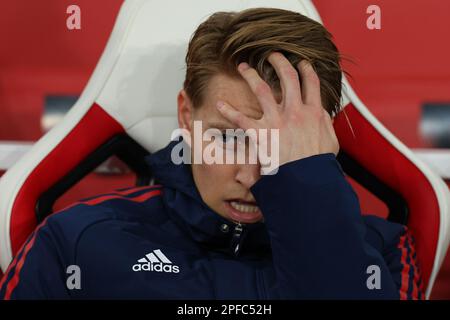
(236, 240)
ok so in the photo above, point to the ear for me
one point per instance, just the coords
(185, 110)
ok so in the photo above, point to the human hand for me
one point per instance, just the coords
(305, 127)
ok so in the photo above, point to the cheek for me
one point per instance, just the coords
(213, 180)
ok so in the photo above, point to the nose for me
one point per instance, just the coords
(248, 174)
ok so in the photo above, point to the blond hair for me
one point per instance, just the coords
(226, 39)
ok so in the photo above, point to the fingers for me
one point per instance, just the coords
(259, 87)
(293, 93)
(289, 82)
(234, 116)
(310, 84)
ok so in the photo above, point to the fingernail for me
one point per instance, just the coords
(243, 66)
(220, 104)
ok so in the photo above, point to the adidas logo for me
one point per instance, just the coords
(156, 261)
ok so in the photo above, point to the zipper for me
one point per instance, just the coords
(236, 239)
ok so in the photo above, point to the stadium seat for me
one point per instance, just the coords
(128, 109)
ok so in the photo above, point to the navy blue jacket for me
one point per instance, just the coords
(163, 242)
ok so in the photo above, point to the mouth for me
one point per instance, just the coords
(243, 211)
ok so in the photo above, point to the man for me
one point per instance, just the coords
(232, 230)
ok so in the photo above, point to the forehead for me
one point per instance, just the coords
(235, 92)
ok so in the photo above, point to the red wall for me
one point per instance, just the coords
(400, 66)
(40, 56)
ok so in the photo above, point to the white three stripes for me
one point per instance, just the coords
(153, 257)
(161, 256)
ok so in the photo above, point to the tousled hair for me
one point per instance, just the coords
(226, 39)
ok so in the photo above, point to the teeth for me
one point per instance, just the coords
(244, 207)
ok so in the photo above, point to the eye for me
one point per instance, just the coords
(227, 138)
(229, 141)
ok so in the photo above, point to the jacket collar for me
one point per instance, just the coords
(187, 209)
